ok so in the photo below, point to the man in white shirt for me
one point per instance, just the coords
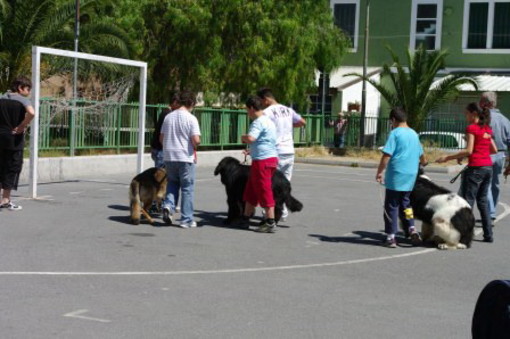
(285, 119)
(180, 137)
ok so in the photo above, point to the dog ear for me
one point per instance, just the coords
(218, 169)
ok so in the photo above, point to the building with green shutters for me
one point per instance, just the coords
(476, 34)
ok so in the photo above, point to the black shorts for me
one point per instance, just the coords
(11, 162)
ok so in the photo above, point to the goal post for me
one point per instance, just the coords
(37, 51)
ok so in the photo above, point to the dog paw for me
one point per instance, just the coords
(442, 246)
(135, 221)
(461, 246)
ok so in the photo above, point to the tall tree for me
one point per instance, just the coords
(412, 84)
(50, 23)
(240, 45)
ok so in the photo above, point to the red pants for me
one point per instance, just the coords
(259, 189)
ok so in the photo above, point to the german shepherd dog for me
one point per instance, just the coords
(234, 176)
(146, 187)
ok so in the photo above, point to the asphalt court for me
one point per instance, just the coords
(71, 262)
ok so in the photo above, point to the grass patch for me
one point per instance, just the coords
(366, 154)
(312, 152)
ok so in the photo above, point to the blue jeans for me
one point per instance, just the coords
(395, 202)
(498, 162)
(157, 157)
(339, 140)
(476, 184)
(181, 176)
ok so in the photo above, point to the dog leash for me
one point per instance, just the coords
(458, 175)
(246, 150)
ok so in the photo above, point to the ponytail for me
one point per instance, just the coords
(485, 117)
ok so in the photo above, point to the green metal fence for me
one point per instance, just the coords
(115, 127)
(435, 133)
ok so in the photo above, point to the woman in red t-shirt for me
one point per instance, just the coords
(478, 176)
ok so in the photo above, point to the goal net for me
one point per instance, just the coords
(80, 100)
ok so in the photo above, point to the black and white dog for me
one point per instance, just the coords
(234, 176)
(447, 219)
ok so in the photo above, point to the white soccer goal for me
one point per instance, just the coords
(120, 90)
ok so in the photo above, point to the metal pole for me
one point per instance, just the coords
(364, 88)
(141, 119)
(34, 127)
(72, 124)
(323, 106)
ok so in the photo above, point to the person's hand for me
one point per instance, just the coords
(379, 178)
(441, 160)
(18, 130)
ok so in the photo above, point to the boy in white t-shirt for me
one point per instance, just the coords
(285, 119)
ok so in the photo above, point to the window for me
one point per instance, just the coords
(346, 15)
(316, 104)
(486, 26)
(426, 24)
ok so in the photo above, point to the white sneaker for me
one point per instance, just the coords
(167, 216)
(188, 224)
(11, 207)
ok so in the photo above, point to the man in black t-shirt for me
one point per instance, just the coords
(16, 112)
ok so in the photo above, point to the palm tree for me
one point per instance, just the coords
(415, 89)
(50, 23)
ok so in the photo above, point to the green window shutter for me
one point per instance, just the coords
(501, 33)
(477, 33)
(345, 18)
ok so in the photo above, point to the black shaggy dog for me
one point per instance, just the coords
(234, 176)
(447, 218)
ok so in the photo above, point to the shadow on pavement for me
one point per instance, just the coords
(216, 219)
(119, 207)
(363, 238)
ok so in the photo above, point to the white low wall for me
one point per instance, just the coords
(68, 168)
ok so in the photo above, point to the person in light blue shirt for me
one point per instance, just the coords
(401, 158)
(258, 190)
(263, 131)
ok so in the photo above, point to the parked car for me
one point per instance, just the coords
(444, 140)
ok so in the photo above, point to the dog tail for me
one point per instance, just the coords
(134, 201)
(293, 204)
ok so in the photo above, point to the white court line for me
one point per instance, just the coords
(78, 314)
(42, 198)
(239, 270)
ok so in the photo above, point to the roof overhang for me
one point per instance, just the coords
(339, 80)
(486, 83)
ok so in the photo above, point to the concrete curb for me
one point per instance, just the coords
(370, 164)
(69, 168)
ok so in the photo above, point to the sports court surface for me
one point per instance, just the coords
(73, 267)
